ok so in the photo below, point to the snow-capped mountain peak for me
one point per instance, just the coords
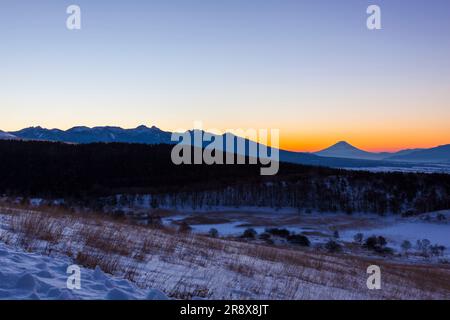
(343, 145)
(343, 149)
(83, 134)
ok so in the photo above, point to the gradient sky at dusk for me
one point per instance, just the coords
(310, 68)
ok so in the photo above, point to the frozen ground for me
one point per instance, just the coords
(426, 168)
(234, 223)
(34, 276)
(191, 266)
(320, 227)
(233, 228)
(411, 231)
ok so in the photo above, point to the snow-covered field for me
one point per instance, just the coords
(25, 275)
(189, 266)
(425, 168)
(320, 227)
(411, 231)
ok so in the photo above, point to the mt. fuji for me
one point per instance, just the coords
(343, 149)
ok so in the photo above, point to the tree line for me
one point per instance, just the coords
(87, 173)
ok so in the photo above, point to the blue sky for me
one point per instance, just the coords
(309, 68)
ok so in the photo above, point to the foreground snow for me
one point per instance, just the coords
(33, 276)
(189, 266)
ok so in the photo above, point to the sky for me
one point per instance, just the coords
(311, 69)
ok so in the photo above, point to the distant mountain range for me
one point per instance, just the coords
(141, 134)
(341, 154)
(343, 149)
(7, 136)
(438, 154)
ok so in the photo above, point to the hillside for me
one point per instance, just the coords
(84, 173)
(7, 136)
(187, 266)
(439, 154)
(26, 276)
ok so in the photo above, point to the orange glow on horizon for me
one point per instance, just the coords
(314, 146)
(367, 142)
(311, 139)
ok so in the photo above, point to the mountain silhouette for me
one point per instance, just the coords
(341, 154)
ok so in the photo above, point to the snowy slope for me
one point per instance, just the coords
(141, 134)
(345, 150)
(7, 136)
(185, 266)
(439, 154)
(33, 276)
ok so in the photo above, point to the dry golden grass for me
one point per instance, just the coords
(186, 265)
(112, 240)
(37, 227)
(109, 264)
